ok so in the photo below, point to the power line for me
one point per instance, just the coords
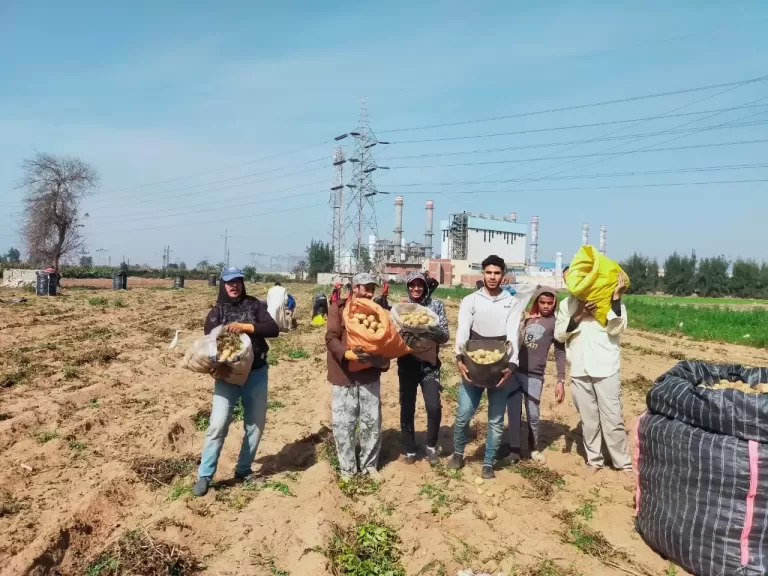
(579, 106)
(204, 223)
(519, 160)
(579, 126)
(221, 169)
(575, 188)
(578, 142)
(589, 176)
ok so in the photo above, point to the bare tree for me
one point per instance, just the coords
(54, 187)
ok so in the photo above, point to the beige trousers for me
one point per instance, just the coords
(598, 401)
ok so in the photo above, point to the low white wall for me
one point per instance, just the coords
(19, 277)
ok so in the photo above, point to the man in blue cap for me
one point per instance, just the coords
(239, 314)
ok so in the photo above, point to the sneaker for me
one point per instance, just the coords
(410, 458)
(432, 456)
(538, 457)
(457, 462)
(200, 487)
(487, 473)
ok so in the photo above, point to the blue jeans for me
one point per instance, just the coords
(254, 396)
(469, 400)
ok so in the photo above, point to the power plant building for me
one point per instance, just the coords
(472, 237)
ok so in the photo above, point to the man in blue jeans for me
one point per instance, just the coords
(488, 314)
(241, 314)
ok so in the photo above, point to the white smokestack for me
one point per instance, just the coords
(584, 234)
(603, 230)
(398, 227)
(430, 208)
(534, 240)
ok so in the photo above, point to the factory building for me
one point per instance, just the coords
(466, 239)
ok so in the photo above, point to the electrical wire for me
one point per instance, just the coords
(580, 106)
(589, 176)
(209, 221)
(584, 188)
(579, 126)
(578, 142)
(543, 158)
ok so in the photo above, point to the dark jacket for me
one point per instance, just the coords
(336, 342)
(441, 336)
(247, 310)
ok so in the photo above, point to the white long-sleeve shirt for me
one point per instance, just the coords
(592, 349)
(491, 316)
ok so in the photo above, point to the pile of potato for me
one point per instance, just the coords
(485, 356)
(742, 386)
(371, 322)
(415, 319)
(228, 346)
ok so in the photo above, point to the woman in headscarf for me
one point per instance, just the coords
(240, 314)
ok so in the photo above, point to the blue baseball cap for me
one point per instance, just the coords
(230, 274)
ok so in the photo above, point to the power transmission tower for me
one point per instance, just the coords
(336, 201)
(360, 210)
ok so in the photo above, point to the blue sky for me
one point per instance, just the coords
(149, 92)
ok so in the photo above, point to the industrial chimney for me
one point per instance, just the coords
(430, 208)
(534, 240)
(397, 245)
(603, 230)
(512, 217)
(584, 234)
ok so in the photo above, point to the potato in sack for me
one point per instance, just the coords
(592, 277)
(221, 348)
(485, 361)
(370, 329)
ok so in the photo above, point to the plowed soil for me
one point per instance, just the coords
(100, 432)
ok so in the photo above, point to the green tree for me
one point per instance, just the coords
(680, 274)
(643, 273)
(249, 272)
(86, 261)
(712, 277)
(747, 279)
(364, 260)
(319, 258)
(764, 280)
(13, 256)
(182, 266)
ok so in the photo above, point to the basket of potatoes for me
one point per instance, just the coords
(413, 318)
(485, 360)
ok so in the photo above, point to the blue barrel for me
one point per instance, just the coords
(120, 280)
(46, 284)
(212, 279)
(178, 282)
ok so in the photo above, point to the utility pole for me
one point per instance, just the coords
(226, 250)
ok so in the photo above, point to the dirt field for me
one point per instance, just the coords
(100, 433)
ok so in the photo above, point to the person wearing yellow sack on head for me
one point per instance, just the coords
(594, 353)
(240, 314)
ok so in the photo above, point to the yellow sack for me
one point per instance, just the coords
(318, 320)
(593, 278)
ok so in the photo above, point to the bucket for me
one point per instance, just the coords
(119, 281)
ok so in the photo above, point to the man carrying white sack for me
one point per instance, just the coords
(594, 355)
(277, 301)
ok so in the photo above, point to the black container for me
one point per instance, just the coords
(47, 284)
(212, 279)
(119, 280)
(178, 282)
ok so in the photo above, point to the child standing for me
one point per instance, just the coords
(538, 335)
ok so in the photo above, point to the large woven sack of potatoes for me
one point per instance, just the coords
(417, 319)
(370, 329)
(485, 360)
